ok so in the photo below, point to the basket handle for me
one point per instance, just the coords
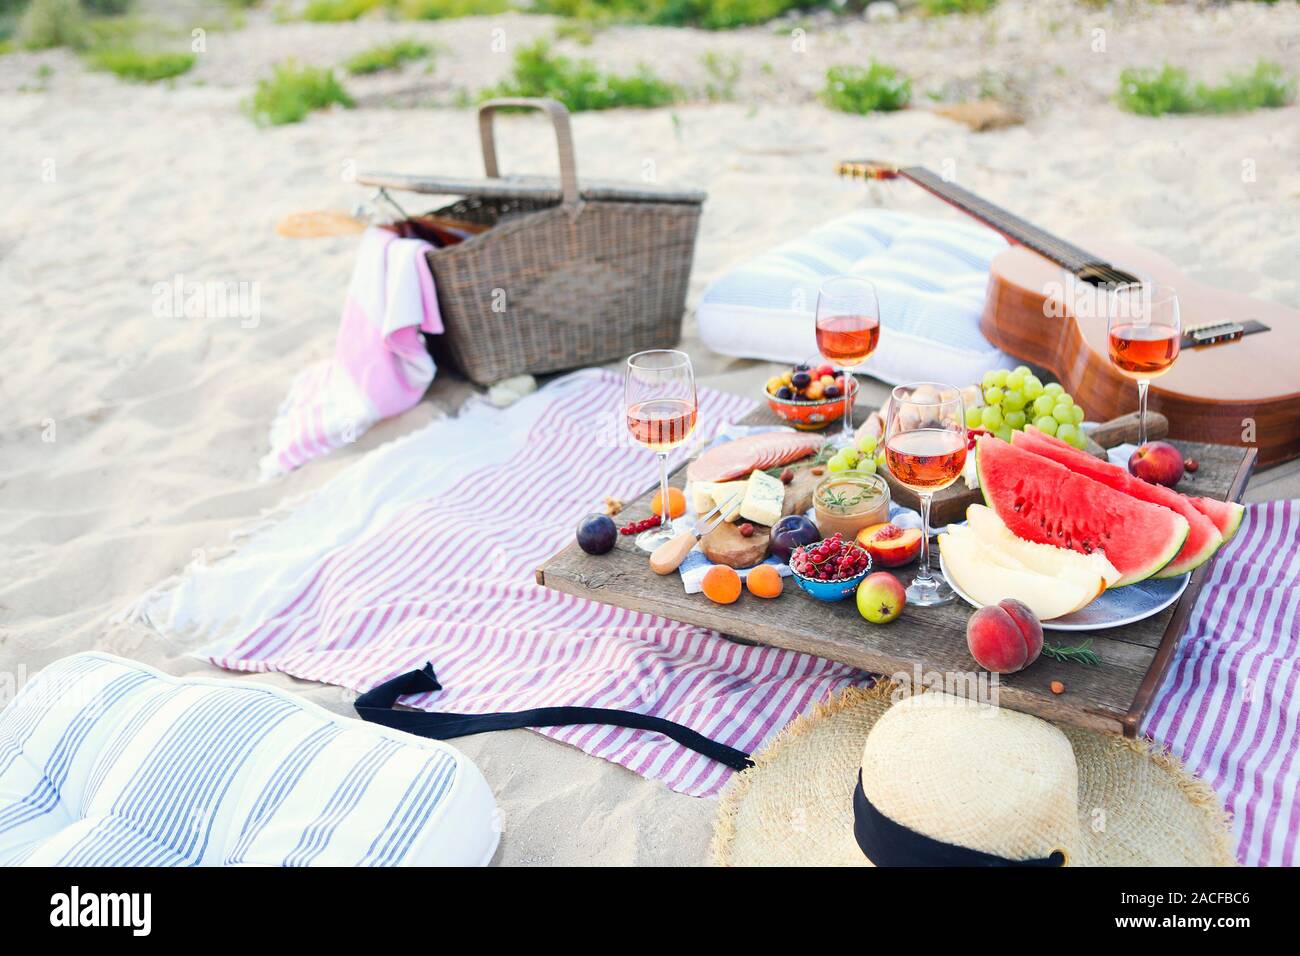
(563, 139)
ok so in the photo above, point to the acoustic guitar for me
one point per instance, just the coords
(1237, 377)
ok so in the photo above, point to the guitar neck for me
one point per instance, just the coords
(1063, 253)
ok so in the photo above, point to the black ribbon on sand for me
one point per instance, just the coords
(888, 843)
(376, 705)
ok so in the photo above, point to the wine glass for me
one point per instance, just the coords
(848, 330)
(1144, 332)
(925, 449)
(659, 396)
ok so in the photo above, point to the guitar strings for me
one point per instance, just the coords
(1067, 254)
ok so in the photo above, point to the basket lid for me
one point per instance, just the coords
(545, 188)
(566, 189)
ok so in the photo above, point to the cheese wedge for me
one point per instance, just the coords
(764, 499)
(702, 496)
(725, 491)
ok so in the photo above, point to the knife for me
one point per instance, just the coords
(669, 556)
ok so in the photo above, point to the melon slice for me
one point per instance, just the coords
(986, 582)
(1226, 515)
(1092, 582)
(1040, 500)
(1043, 558)
(1203, 538)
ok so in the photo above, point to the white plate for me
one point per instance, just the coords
(1114, 608)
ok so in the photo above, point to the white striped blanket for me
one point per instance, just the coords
(1230, 703)
(426, 551)
(106, 762)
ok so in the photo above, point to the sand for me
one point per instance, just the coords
(129, 441)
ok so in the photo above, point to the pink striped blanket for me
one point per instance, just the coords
(1230, 704)
(380, 365)
(425, 551)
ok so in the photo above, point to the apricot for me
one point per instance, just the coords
(676, 503)
(1005, 637)
(721, 584)
(764, 581)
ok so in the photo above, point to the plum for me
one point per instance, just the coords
(597, 534)
(792, 532)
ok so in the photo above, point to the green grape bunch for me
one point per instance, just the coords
(1018, 398)
(866, 457)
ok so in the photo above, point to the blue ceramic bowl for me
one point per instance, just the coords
(831, 590)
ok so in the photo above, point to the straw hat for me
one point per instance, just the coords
(934, 779)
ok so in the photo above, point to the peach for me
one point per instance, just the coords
(889, 545)
(1157, 462)
(1005, 637)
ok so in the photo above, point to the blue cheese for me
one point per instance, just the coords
(764, 499)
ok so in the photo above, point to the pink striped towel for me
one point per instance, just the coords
(1229, 705)
(380, 365)
(454, 521)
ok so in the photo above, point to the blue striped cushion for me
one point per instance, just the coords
(930, 275)
(106, 762)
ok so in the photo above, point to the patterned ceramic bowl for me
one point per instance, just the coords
(831, 590)
(806, 415)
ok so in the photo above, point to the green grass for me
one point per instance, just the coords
(339, 11)
(140, 66)
(107, 8)
(710, 14)
(582, 32)
(387, 56)
(579, 84)
(876, 88)
(724, 73)
(293, 91)
(46, 24)
(1149, 92)
(939, 8)
(447, 9)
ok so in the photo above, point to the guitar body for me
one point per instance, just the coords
(1211, 394)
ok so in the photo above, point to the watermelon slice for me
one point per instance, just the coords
(1203, 538)
(1226, 515)
(1040, 500)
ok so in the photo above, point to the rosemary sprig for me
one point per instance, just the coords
(834, 499)
(1080, 654)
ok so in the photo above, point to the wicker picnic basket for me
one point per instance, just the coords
(567, 274)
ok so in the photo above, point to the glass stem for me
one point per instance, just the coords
(1142, 410)
(663, 489)
(850, 394)
(923, 573)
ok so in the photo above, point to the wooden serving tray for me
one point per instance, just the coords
(924, 644)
